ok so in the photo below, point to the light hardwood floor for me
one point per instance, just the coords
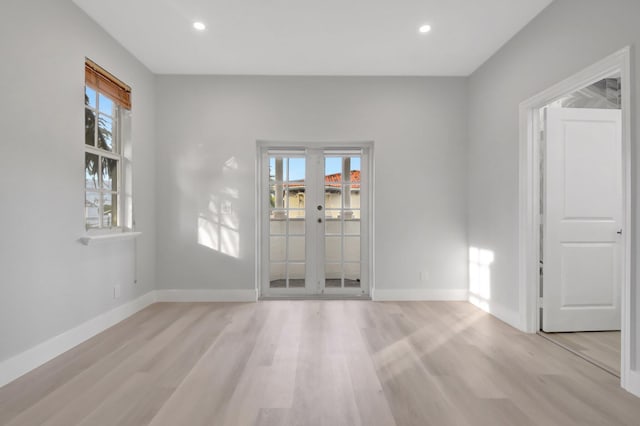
(316, 363)
(600, 347)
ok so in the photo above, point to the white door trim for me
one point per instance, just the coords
(262, 146)
(529, 199)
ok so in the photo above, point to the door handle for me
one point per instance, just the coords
(319, 208)
(319, 220)
(619, 232)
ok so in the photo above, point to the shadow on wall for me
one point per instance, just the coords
(209, 189)
(480, 261)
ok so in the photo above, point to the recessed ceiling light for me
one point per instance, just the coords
(199, 26)
(425, 29)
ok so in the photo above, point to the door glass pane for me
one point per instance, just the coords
(296, 248)
(352, 274)
(351, 197)
(332, 226)
(296, 214)
(297, 170)
(296, 275)
(272, 197)
(333, 168)
(356, 166)
(333, 249)
(287, 192)
(277, 275)
(352, 249)
(278, 215)
(277, 226)
(351, 180)
(296, 226)
(333, 275)
(277, 250)
(296, 198)
(354, 196)
(332, 215)
(278, 196)
(332, 197)
(272, 169)
(352, 227)
(278, 169)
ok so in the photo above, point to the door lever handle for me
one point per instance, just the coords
(619, 232)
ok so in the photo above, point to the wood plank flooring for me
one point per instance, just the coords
(600, 347)
(286, 363)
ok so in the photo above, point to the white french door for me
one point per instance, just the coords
(315, 221)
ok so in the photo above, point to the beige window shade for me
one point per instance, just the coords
(103, 81)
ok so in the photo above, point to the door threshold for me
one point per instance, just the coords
(585, 357)
(316, 297)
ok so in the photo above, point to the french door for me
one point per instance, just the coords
(314, 225)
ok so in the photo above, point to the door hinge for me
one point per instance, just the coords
(540, 302)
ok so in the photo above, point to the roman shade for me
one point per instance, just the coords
(103, 81)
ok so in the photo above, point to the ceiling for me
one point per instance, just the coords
(313, 37)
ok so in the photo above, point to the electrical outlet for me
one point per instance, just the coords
(117, 291)
(424, 276)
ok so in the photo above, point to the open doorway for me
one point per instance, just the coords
(581, 201)
(607, 252)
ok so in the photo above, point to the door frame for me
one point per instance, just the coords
(529, 202)
(262, 146)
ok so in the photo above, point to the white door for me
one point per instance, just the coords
(582, 220)
(314, 239)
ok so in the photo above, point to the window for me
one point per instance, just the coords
(107, 100)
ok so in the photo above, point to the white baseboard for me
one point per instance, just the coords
(206, 295)
(418, 294)
(30, 359)
(503, 314)
(632, 384)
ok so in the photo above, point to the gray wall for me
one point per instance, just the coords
(49, 282)
(565, 38)
(419, 128)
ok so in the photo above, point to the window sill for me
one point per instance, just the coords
(105, 238)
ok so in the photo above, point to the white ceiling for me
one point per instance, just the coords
(313, 37)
